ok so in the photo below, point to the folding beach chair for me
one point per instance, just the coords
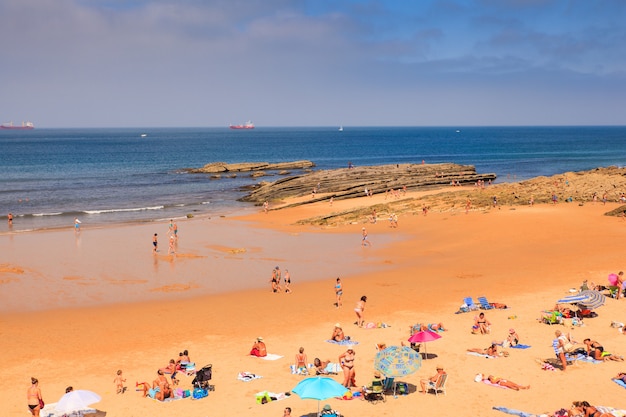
(375, 392)
(439, 385)
(484, 304)
(469, 302)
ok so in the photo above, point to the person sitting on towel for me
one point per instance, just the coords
(259, 349)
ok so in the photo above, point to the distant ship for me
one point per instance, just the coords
(23, 126)
(247, 125)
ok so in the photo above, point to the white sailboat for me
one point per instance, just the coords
(341, 128)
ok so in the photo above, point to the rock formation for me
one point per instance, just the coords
(353, 182)
(219, 167)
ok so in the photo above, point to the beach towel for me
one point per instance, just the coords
(481, 355)
(619, 382)
(582, 358)
(269, 357)
(333, 368)
(612, 411)
(247, 376)
(309, 370)
(264, 397)
(345, 342)
(487, 382)
(520, 346)
(514, 412)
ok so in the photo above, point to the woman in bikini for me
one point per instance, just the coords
(481, 324)
(591, 411)
(506, 383)
(34, 396)
(338, 293)
(359, 309)
(346, 360)
(301, 362)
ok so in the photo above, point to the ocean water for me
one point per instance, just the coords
(105, 176)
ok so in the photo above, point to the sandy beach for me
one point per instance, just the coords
(75, 309)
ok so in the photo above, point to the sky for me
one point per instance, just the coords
(210, 63)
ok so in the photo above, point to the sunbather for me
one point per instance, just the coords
(506, 383)
(258, 348)
(621, 376)
(596, 351)
(481, 324)
(490, 351)
(320, 366)
(338, 334)
(301, 362)
(433, 382)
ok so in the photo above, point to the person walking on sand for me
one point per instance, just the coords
(364, 240)
(287, 281)
(338, 293)
(76, 224)
(170, 248)
(266, 206)
(359, 310)
(119, 382)
(33, 394)
(155, 243)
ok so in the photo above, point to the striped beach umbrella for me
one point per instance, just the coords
(589, 299)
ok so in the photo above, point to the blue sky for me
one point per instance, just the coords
(115, 63)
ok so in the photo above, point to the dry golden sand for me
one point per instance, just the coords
(525, 257)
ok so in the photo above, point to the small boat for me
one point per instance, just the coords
(143, 135)
(247, 125)
(23, 126)
(341, 128)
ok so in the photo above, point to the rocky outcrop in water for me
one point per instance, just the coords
(352, 182)
(223, 167)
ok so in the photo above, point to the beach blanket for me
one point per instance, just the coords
(49, 411)
(247, 376)
(269, 357)
(333, 368)
(520, 346)
(482, 355)
(308, 371)
(619, 382)
(582, 358)
(612, 411)
(487, 382)
(514, 412)
(346, 342)
(263, 397)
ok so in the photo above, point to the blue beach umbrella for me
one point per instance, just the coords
(589, 299)
(319, 388)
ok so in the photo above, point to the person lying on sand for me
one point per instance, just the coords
(621, 377)
(490, 351)
(506, 383)
(596, 351)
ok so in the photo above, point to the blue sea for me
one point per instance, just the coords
(107, 176)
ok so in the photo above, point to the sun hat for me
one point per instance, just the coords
(511, 330)
(376, 374)
(259, 339)
(478, 377)
(439, 367)
(327, 407)
(338, 325)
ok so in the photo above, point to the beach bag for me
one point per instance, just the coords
(402, 388)
(41, 403)
(186, 393)
(200, 393)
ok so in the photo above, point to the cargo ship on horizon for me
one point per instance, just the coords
(247, 125)
(23, 126)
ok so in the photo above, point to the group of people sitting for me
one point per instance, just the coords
(160, 389)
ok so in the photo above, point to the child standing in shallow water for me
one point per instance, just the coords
(119, 382)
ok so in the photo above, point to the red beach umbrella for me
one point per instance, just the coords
(423, 337)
